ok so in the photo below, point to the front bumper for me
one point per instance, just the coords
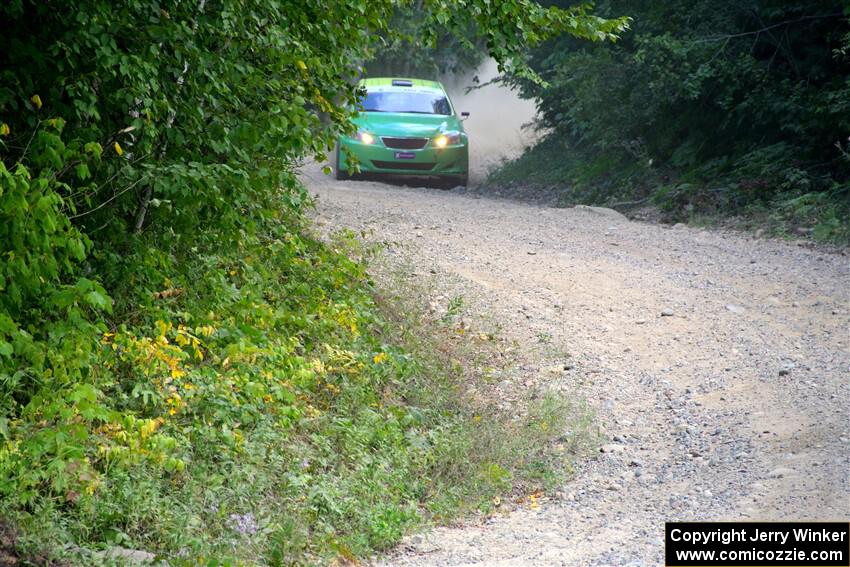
(377, 158)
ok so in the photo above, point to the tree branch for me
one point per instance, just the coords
(768, 28)
(147, 195)
(143, 209)
(109, 200)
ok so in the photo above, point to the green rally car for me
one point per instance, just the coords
(406, 127)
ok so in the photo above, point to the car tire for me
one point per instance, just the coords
(340, 174)
(450, 182)
(455, 181)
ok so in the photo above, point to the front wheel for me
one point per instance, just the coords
(450, 182)
(340, 174)
(458, 180)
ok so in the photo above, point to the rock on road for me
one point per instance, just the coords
(717, 365)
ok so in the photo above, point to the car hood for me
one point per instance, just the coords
(406, 125)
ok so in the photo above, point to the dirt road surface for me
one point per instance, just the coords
(717, 365)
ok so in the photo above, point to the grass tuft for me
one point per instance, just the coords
(761, 190)
(281, 409)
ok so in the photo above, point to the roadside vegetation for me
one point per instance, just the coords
(706, 110)
(184, 369)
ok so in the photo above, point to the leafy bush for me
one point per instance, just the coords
(740, 109)
(261, 410)
(50, 324)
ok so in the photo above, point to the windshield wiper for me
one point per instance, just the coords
(404, 111)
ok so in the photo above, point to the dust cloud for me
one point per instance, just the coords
(496, 119)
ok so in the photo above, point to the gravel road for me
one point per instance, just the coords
(717, 365)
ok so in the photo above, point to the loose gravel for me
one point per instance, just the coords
(717, 365)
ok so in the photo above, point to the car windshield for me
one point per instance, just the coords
(418, 102)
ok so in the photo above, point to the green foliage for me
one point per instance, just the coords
(746, 107)
(50, 323)
(425, 40)
(404, 52)
(582, 176)
(199, 108)
(260, 410)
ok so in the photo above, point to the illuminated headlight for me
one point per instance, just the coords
(365, 137)
(447, 139)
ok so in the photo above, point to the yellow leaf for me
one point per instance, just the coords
(147, 428)
(118, 149)
(4, 129)
(36, 100)
(301, 65)
(323, 103)
(162, 327)
(206, 331)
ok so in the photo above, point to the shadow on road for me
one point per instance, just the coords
(406, 181)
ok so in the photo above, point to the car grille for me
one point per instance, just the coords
(403, 165)
(404, 143)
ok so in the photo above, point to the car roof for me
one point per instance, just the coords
(391, 83)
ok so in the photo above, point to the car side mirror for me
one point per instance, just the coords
(465, 115)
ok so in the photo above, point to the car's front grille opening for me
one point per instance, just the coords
(404, 143)
(403, 165)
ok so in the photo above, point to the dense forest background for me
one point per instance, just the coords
(706, 109)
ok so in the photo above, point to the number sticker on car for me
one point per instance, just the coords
(405, 155)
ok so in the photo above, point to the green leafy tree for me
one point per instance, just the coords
(754, 97)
